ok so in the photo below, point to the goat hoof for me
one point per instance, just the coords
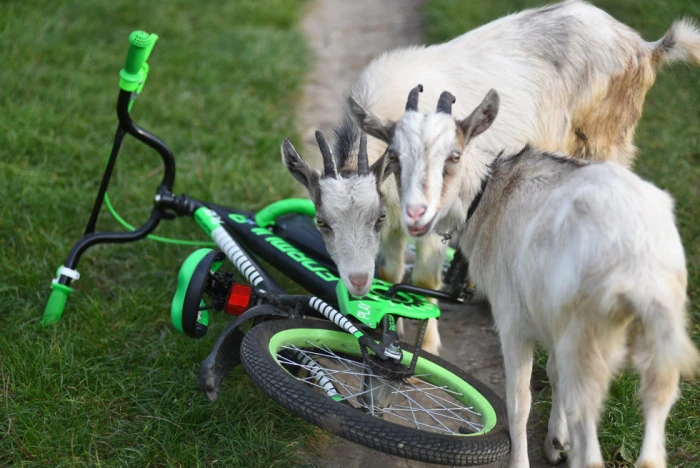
(554, 451)
(556, 444)
(649, 464)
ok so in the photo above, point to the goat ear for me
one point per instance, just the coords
(378, 169)
(381, 169)
(296, 165)
(482, 117)
(370, 123)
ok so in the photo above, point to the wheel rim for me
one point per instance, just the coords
(434, 399)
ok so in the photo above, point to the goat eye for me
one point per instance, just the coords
(391, 156)
(381, 218)
(455, 156)
(322, 224)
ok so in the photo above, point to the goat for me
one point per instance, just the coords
(571, 78)
(582, 257)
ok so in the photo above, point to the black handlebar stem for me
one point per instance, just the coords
(182, 205)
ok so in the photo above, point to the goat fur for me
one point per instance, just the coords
(571, 78)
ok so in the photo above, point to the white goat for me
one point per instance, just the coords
(571, 79)
(582, 257)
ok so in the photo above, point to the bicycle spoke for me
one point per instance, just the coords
(417, 401)
(423, 410)
(327, 373)
(467, 408)
(435, 399)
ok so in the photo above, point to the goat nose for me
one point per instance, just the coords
(415, 211)
(359, 280)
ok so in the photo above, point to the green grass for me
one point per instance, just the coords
(669, 140)
(113, 383)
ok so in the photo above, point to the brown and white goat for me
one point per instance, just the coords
(571, 79)
(581, 257)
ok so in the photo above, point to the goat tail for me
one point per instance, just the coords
(680, 44)
(671, 345)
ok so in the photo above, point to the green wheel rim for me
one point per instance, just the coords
(439, 376)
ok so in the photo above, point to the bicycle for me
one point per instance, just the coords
(332, 359)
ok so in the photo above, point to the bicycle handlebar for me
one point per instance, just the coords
(131, 81)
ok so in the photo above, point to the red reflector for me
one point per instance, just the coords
(238, 299)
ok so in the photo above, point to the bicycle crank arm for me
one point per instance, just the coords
(226, 354)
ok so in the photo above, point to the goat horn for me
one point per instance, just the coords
(412, 103)
(362, 158)
(328, 162)
(445, 102)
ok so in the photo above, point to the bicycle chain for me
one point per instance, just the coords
(419, 343)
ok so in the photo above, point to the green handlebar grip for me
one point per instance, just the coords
(141, 45)
(140, 42)
(57, 302)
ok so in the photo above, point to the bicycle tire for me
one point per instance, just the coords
(353, 424)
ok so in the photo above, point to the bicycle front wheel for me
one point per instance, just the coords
(439, 415)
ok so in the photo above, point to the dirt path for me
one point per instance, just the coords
(345, 35)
